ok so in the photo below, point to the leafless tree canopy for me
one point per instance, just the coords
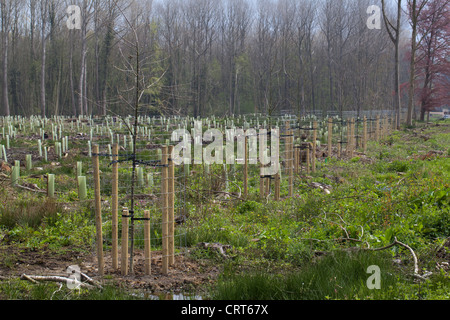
(198, 57)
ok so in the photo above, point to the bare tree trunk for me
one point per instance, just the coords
(85, 12)
(43, 105)
(32, 26)
(394, 34)
(81, 80)
(85, 99)
(97, 55)
(104, 59)
(414, 16)
(133, 173)
(5, 28)
(5, 75)
(397, 104)
(58, 90)
(72, 85)
(43, 56)
(412, 78)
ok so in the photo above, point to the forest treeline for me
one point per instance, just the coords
(197, 57)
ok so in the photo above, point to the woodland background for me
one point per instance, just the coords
(204, 57)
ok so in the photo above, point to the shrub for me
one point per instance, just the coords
(398, 166)
(338, 275)
(249, 206)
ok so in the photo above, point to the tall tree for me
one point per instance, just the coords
(201, 21)
(6, 10)
(43, 18)
(394, 31)
(234, 27)
(415, 8)
(221, 56)
(265, 56)
(171, 29)
(86, 15)
(433, 56)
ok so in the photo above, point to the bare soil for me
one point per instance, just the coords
(186, 275)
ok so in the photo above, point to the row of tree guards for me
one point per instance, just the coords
(166, 204)
(298, 154)
(303, 155)
(300, 143)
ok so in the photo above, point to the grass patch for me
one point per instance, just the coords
(28, 212)
(339, 275)
(16, 289)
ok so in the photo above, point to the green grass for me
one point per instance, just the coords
(396, 195)
(16, 289)
(275, 245)
(339, 275)
(28, 212)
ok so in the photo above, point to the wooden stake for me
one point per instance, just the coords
(380, 128)
(290, 161)
(277, 186)
(261, 181)
(301, 156)
(308, 146)
(386, 126)
(171, 207)
(352, 137)
(339, 149)
(347, 147)
(246, 167)
(330, 136)
(147, 243)
(115, 207)
(124, 252)
(314, 146)
(165, 211)
(286, 146)
(377, 128)
(98, 209)
(365, 134)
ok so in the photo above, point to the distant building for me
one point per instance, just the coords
(440, 112)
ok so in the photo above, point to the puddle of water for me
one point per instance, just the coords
(184, 297)
(179, 296)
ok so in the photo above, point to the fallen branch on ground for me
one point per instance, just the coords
(396, 242)
(220, 248)
(31, 189)
(416, 265)
(60, 279)
(90, 280)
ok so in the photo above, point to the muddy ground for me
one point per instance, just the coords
(186, 276)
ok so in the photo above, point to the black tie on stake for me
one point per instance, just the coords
(133, 218)
(150, 163)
